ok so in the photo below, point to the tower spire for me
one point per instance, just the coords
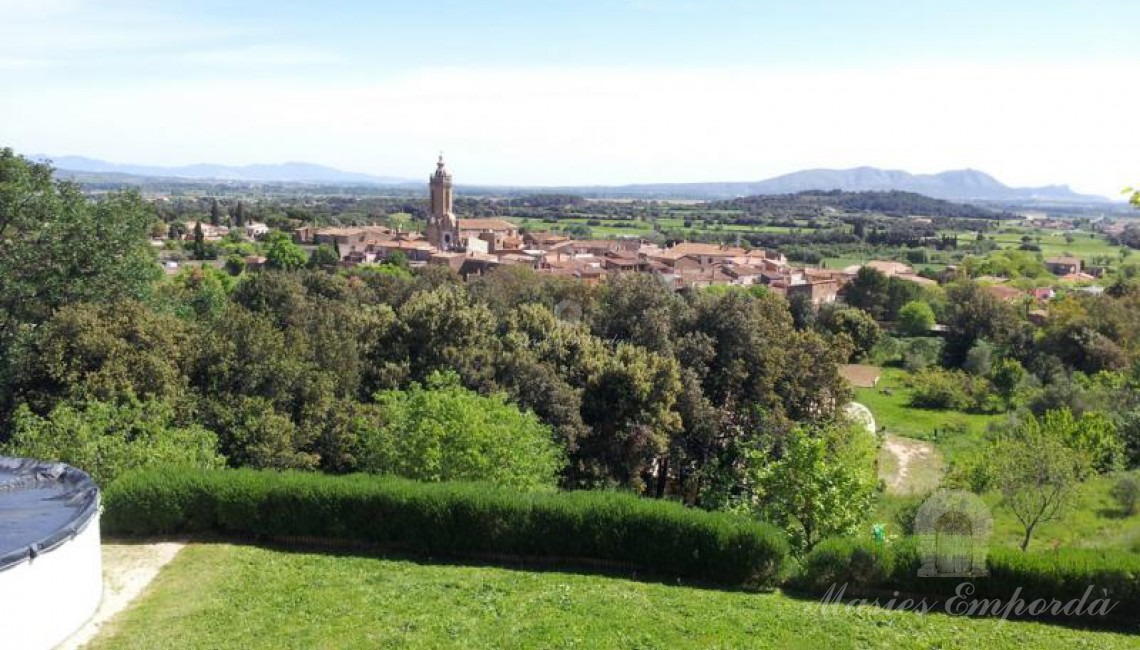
(443, 227)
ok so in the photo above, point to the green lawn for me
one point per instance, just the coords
(893, 412)
(223, 596)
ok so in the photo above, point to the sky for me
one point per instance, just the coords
(560, 92)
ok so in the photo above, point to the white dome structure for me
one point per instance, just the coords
(860, 414)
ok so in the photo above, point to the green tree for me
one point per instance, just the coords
(396, 259)
(975, 314)
(1006, 376)
(235, 264)
(628, 404)
(640, 309)
(916, 318)
(443, 432)
(857, 325)
(109, 353)
(1037, 474)
(442, 330)
(58, 248)
(252, 433)
(176, 231)
(868, 291)
(803, 311)
(105, 439)
(199, 242)
(1093, 434)
(323, 256)
(979, 359)
(821, 486)
(215, 213)
(284, 254)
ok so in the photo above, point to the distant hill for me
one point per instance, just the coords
(960, 185)
(291, 172)
(892, 204)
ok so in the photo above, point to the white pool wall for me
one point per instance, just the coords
(45, 599)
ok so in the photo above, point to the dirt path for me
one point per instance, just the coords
(127, 570)
(916, 467)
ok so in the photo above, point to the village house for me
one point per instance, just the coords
(820, 292)
(1063, 265)
(256, 230)
(210, 232)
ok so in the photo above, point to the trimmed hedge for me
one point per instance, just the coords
(454, 519)
(872, 570)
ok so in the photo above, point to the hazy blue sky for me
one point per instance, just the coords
(584, 91)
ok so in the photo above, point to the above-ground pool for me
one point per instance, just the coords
(51, 575)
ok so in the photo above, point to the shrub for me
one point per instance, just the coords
(871, 570)
(842, 560)
(915, 318)
(453, 519)
(445, 432)
(940, 389)
(105, 439)
(921, 352)
(1126, 493)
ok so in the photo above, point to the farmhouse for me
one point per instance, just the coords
(1063, 265)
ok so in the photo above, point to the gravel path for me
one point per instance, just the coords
(127, 570)
(919, 465)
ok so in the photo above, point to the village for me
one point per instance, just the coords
(475, 247)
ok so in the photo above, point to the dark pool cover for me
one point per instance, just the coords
(42, 505)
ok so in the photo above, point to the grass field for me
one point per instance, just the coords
(1092, 522)
(893, 412)
(1053, 244)
(224, 596)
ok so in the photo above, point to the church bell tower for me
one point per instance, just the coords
(443, 227)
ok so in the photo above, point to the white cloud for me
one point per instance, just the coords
(262, 55)
(18, 63)
(1027, 124)
(77, 31)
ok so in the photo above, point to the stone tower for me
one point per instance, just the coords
(443, 227)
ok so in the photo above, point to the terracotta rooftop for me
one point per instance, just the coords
(1003, 292)
(890, 268)
(696, 248)
(917, 279)
(1064, 260)
(486, 224)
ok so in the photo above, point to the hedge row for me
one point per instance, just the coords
(870, 569)
(455, 519)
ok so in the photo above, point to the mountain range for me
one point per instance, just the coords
(290, 172)
(958, 185)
